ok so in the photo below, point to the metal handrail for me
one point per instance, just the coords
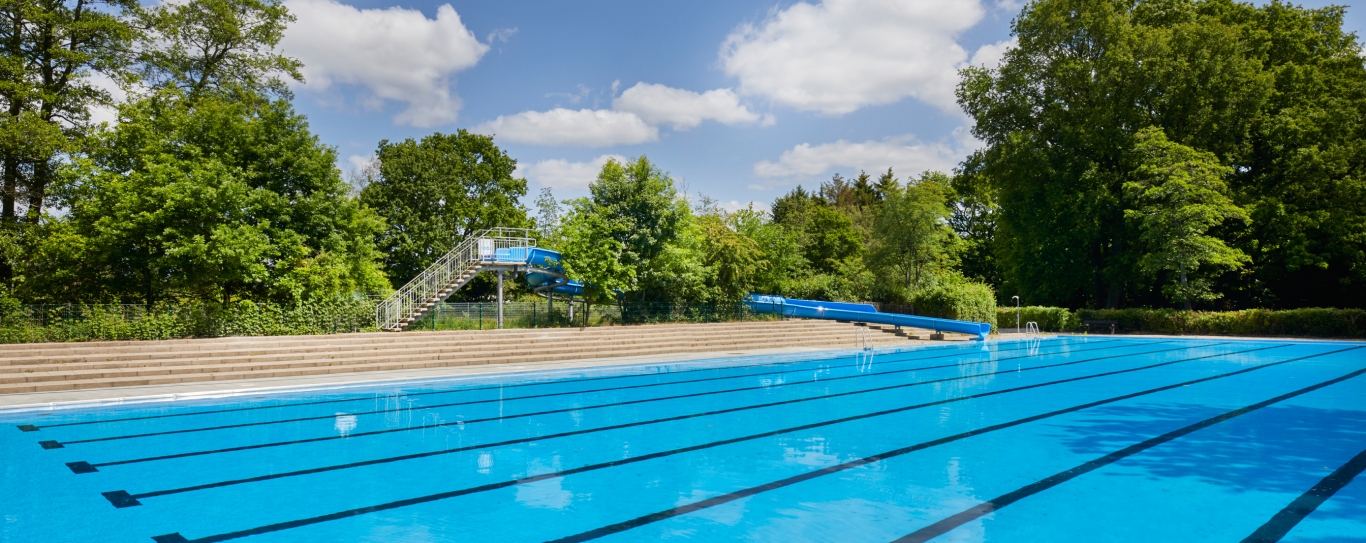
(391, 313)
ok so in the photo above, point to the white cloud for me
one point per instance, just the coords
(559, 126)
(683, 109)
(841, 55)
(991, 54)
(501, 34)
(396, 54)
(110, 113)
(906, 154)
(564, 175)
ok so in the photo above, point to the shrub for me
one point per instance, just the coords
(965, 301)
(1050, 319)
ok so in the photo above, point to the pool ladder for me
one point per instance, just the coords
(1032, 329)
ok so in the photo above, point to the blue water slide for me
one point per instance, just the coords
(544, 272)
(810, 309)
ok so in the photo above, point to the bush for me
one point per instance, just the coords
(964, 301)
(48, 323)
(1050, 319)
(1310, 322)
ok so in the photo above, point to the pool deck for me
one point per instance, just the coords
(152, 393)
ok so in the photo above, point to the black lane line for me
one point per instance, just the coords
(34, 428)
(1281, 523)
(176, 537)
(83, 467)
(944, 526)
(740, 494)
(571, 393)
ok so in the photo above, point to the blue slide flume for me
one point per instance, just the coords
(811, 309)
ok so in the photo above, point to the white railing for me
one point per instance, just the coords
(394, 312)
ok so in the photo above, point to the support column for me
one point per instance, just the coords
(500, 299)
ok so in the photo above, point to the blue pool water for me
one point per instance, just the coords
(1072, 439)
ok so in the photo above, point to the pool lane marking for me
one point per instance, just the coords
(35, 428)
(121, 498)
(86, 467)
(1282, 522)
(176, 537)
(58, 445)
(973, 513)
(781, 483)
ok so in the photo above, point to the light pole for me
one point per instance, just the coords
(1017, 313)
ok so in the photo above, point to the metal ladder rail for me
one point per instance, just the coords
(407, 304)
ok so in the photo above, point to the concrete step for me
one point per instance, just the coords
(468, 349)
(93, 354)
(365, 337)
(168, 375)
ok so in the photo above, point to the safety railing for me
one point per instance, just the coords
(396, 311)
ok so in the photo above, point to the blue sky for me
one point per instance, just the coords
(740, 100)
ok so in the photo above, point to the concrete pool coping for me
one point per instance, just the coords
(68, 399)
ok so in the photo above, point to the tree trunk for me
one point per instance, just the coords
(1185, 294)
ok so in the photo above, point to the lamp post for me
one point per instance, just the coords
(1017, 313)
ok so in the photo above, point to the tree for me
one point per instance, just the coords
(548, 213)
(733, 260)
(1179, 195)
(435, 192)
(226, 46)
(780, 251)
(51, 49)
(216, 201)
(641, 195)
(911, 236)
(594, 253)
(1060, 114)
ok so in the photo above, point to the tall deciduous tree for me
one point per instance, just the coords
(593, 252)
(1178, 195)
(435, 192)
(644, 197)
(215, 201)
(911, 235)
(51, 51)
(223, 46)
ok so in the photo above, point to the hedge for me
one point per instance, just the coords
(51, 323)
(1311, 322)
(959, 301)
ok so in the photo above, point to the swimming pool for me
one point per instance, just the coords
(1070, 439)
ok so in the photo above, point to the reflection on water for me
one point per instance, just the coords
(345, 423)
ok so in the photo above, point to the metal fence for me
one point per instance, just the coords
(484, 316)
(78, 322)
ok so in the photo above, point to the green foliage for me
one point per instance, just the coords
(959, 300)
(1179, 195)
(594, 253)
(1308, 322)
(43, 323)
(212, 201)
(1049, 319)
(911, 236)
(644, 199)
(218, 46)
(1274, 94)
(434, 192)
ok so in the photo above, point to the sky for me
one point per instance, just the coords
(738, 100)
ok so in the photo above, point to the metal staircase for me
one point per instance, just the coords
(448, 274)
